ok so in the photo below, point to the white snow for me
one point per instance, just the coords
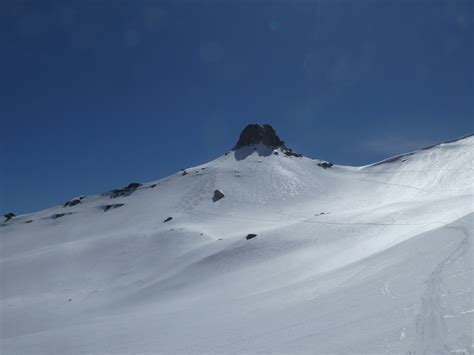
(374, 259)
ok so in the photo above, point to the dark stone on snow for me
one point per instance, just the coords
(291, 153)
(8, 216)
(73, 202)
(29, 221)
(59, 215)
(325, 165)
(168, 219)
(250, 236)
(217, 196)
(184, 173)
(126, 191)
(133, 186)
(152, 186)
(108, 207)
(255, 134)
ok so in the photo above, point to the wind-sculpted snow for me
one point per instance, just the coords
(375, 259)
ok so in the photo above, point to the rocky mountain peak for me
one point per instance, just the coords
(262, 134)
(255, 134)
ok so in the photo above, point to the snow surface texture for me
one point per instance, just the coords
(374, 259)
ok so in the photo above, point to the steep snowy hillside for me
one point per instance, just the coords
(290, 254)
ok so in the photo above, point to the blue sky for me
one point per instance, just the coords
(97, 94)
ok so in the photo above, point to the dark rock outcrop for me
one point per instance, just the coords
(59, 215)
(72, 202)
(217, 195)
(250, 236)
(8, 216)
(168, 219)
(263, 134)
(133, 186)
(126, 191)
(325, 165)
(255, 134)
(291, 153)
(113, 206)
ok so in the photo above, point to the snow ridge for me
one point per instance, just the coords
(370, 259)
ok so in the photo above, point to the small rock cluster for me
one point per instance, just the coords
(125, 191)
(74, 202)
(8, 216)
(290, 152)
(59, 215)
(113, 206)
(325, 165)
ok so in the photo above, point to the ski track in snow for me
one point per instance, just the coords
(431, 329)
(385, 290)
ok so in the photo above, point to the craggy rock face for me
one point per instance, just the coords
(255, 134)
(263, 134)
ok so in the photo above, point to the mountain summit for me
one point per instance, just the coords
(254, 134)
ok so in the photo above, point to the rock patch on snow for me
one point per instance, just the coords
(113, 206)
(217, 195)
(325, 164)
(59, 215)
(73, 202)
(8, 216)
(125, 191)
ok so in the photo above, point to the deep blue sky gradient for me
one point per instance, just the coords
(97, 94)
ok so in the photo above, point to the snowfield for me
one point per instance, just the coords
(374, 259)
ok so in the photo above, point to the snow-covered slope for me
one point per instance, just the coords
(369, 259)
